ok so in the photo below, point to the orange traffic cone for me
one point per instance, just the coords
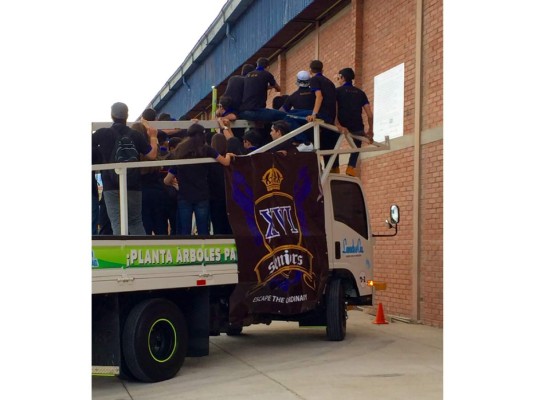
(380, 316)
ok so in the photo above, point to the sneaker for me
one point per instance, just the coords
(305, 147)
(350, 171)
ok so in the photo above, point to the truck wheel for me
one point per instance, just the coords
(154, 340)
(234, 330)
(335, 311)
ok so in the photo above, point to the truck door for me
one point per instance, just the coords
(349, 235)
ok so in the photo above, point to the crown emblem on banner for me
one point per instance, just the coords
(272, 179)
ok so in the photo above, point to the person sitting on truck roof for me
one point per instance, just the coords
(298, 105)
(325, 108)
(234, 89)
(256, 86)
(192, 179)
(225, 114)
(104, 140)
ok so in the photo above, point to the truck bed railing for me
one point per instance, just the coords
(121, 168)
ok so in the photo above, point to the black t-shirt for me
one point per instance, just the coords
(96, 159)
(302, 99)
(193, 179)
(104, 140)
(287, 146)
(255, 89)
(235, 90)
(328, 108)
(350, 101)
(217, 187)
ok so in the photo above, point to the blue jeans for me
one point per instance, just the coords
(201, 215)
(352, 161)
(262, 114)
(95, 213)
(154, 207)
(135, 222)
(328, 138)
(296, 118)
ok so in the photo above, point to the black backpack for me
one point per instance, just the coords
(125, 150)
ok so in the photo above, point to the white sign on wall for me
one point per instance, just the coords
(388, 103)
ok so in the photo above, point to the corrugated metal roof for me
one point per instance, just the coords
(238, 33)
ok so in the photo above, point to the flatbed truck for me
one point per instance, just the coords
(157, 299)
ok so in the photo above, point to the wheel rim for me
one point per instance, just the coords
(162, 340)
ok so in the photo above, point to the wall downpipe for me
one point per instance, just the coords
(416, 298)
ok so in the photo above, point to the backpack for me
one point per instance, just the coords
(125, 150)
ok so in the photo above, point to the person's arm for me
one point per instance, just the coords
(341, 128)
(225, 161)
(287, 105)
(370, 119)
(225, 127)
(154, 143)
(318, 103)
(171, 131)
(171, 180)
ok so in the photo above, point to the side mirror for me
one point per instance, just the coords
(394, 214)
(394, 220)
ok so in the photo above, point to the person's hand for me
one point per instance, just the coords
(223, 122)
(370, 136)
(310, 118)
(343, 130)
(195, 120)
(174, 183)
(152, 132)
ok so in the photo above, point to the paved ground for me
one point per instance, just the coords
(285, 362)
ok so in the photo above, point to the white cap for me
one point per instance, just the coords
(302, 79)
(303, 76)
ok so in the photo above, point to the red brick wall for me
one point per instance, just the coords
(389, 38)
(432, 78)
(431, 244)
(387, 180)
(378, 35)
(337, 43)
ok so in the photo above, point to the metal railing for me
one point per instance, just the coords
(122, 168)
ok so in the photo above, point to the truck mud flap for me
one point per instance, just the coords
(105, 334)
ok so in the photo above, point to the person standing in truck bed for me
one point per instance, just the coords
(192, 180)
(104, 140)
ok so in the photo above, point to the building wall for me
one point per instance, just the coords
(373, 36)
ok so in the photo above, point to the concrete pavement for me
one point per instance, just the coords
(285, 362)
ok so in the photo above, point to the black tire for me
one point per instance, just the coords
(335, 311)
(125, 373)
(234, 330)
(154, 340)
